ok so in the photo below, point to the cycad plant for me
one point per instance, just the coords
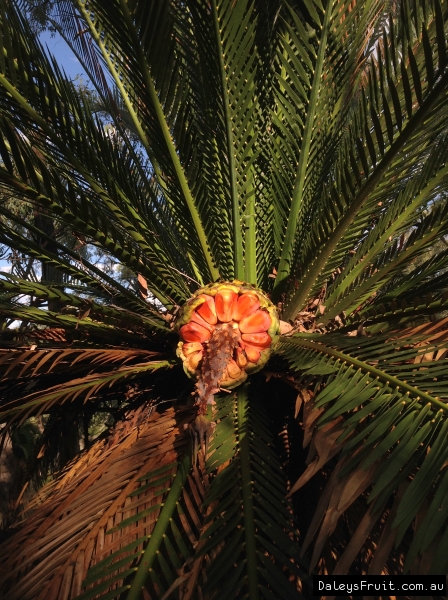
(273, 372)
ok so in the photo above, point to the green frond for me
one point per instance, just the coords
(397, 256)
(25, 363)
(24, 238)
(422, 279)
(380, 316)
(154, 127)
(308, 85)
(388, 397)
(314, 75)
(364, 166)
(393, 222)
(249, 530)
(109, 315)
(52, 319)
(81, 145)
(87, 387)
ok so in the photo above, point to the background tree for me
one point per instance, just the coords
(300, 147)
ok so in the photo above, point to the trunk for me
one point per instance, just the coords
(49, 273)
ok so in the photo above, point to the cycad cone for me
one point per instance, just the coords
(236, 304)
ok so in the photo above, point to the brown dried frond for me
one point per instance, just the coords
(67, 534)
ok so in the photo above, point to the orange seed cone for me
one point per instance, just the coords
(219, 314)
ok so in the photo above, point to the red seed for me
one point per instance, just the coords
(256, 323)
(252, 353)
(262, 340)
(207, 310)
(246, 305)
(225, 302)
(193, 332)
(200, 321)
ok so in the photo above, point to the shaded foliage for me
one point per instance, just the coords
(301, 147)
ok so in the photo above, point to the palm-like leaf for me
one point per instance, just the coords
(109, 471)
(301, 147)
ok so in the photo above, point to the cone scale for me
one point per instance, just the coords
(227, 331)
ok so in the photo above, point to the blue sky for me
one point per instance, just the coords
(63, 54)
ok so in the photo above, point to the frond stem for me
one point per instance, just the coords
(374, 372)
(358, 295)
(376, 248)
(250, 253)
(77, 164)
(180, 174)
(284, 267)
(67, 216)
(237, 237)
(415, 121)
(246, 491)
(158, 533)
